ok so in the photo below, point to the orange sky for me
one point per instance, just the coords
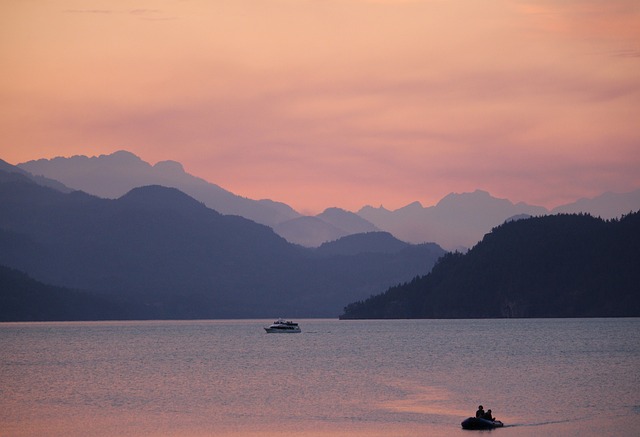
(322, 103)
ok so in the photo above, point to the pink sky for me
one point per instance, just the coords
(334, 102)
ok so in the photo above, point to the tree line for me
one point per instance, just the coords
(566, 265)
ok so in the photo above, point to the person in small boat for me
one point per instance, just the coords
(480, 413)
(488, 416)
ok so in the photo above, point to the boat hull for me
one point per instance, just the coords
(477, 423)
(282, 331)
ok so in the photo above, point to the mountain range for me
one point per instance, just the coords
(164, 254)
(112, 176)
(157, 252)
(457, 222)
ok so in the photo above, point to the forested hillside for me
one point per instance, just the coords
(24, 299)
(552, 266)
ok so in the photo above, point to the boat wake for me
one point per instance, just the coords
(572, 420)
(548, 422)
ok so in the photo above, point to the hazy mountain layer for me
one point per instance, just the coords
(458, 221)
(332, 224)
(40, 180)
(111, 176)
(159, 248)
(606, 206)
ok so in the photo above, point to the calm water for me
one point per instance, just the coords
(337, 378)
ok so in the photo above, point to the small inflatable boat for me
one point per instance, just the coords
(478, 423)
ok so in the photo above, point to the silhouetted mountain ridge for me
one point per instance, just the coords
(161, 198)
(25, 299)
(551, 266)
(371, 242)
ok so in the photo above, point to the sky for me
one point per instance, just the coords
(346, 103)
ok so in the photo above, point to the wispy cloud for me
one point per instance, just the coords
(151, 14)
(626, 53)
(88, 11)
(144, 14)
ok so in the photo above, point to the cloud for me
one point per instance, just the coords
(145, 14)
(88, 11)
(626, 53)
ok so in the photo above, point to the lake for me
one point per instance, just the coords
(337, 378)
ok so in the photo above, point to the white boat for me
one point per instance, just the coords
(283, 326)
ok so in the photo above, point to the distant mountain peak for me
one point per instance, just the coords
(479, 195)
(368, 242)
(159, 197)
(412, 206)
(170, 167)
(122, 154)
(332, 209)
(366, 208)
